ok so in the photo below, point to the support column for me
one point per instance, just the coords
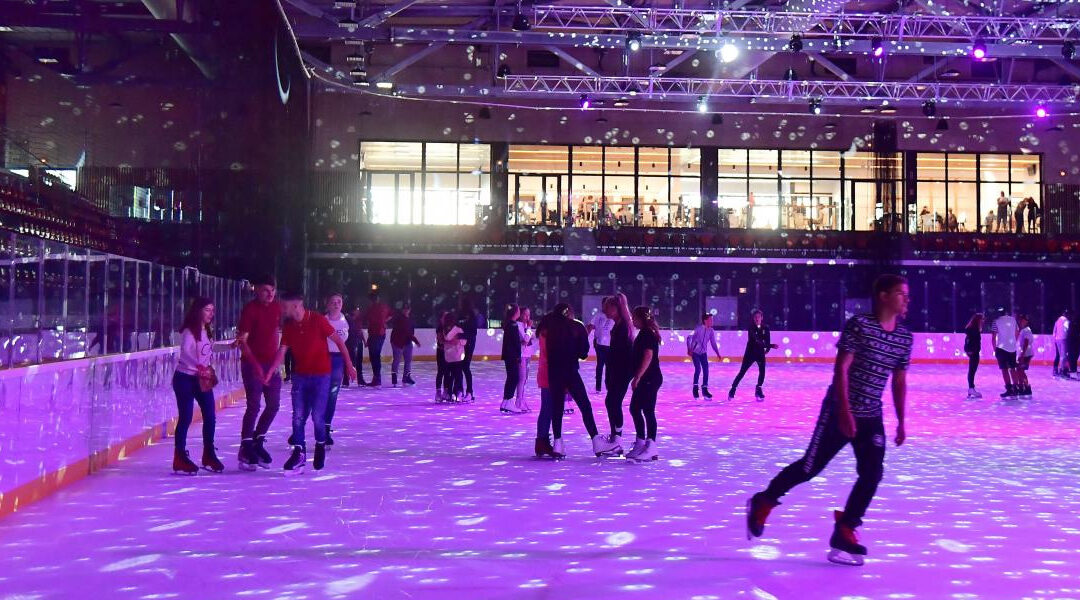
(710, 211)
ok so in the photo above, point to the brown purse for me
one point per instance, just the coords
(207, 378)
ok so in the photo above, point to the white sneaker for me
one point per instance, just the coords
(639, 445)
(557, 448)
(508, 408)
(649, 452)
(602, 444)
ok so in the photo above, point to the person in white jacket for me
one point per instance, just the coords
(1061, 354)
(529, 347)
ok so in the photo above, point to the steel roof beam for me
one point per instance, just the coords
(385, 13)
(574, 61)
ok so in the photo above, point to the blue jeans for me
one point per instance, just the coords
(543, 418)
(375, 344)
(309, 397)
(701, 365)
(188, 393)
(337, 372)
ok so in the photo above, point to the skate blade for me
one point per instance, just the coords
(261, 466)
(294, 472)
(243, 466)
(610, 453)
(749, 505)
(212, 470)
(185, 473)
(840, 557)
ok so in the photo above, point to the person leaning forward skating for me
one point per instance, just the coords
(871, 348)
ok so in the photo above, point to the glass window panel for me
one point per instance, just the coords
(994, 169)
(654, 201)
(731, 202)
(962, 214)
(586, 195)
(686, 161)
(619, 198)
(930, 166)
(859, 165)
(390, 156)
(537, 159)
(800, 208)
(441, 157)
(864, 213)
(618, 160)
(930, 209)
(383, 197)
(796, 164)
(473, 199)
(998, 203)
(763, 163)
(1025, 168)
(476, 158)
(763, 205)
(686, 195)
(440, 198)
(588, 160)
(731, 162)
(653, 161)
(826, 193)
(962, 167)
(826, 164)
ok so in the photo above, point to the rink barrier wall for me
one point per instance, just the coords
(62, 421)
(795, 347)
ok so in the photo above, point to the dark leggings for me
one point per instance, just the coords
(452, 379)
(869, 447)
(616, 391)
(186, 388)
(513, 375)
(466, 365)
(747, 360)
(643, 410)
(571, 383)
(601, 362)
(441, 372)
(973, 365)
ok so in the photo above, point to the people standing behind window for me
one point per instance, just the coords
(402, 338)
(529, 346)
(377, 316)
(1018, 216)
(193, 382)
(1032, 214)
(972, 347)
(758, 343)
(1003, 206)
(600, 326)
(988, 222)
(697, 348)
(950, 221)
(646, 385)
(511, 357)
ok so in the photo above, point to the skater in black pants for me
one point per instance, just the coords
(758, 343)
(601, 325)
(972, 347)
(567, 342)
(193, 382)
(511, 356)
(442, 372)
(872, 347)
(620, 365)
(355, 344)
(454, 343)
(646, 384)
(469, 320)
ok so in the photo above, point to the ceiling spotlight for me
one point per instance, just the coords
(878, 48)
(621, 103)
(1041, 112)
(729, 52)
(355, 57)
(362, 82)
(503, 72)
(521, 22)
(815, 106)
(347, 23)
(344, 3)
(633, 41)
(633, 90)
(795, 43)
(929, 108)
(384, 85)
(942, 125)
(702, 104)
(1068, 50)
(978, 50)
(585, 102)
(358, 72)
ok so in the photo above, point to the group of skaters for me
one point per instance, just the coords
(1014, 349)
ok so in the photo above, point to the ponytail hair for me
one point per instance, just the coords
(645, 316)
(624, 309)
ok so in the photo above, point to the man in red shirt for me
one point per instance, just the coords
(258, 334)
(305, 334)
(377, 315)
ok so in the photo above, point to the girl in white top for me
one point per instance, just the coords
(334, 304)
(529, 346)
(454, 353)
(196, 351)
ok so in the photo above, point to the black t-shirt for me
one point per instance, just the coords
(621, 351)
(972, 339)
(758, 340)
(647, 340)
(877, 353)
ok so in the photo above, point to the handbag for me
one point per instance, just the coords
(207, 378)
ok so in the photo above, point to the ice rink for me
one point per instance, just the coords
(420, 500)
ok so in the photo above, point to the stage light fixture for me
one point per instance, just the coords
(729, 52)
(355, 57)
(815, 106)
(384, 85)
(878, 47)
(978, 50)
(929, 108)
(1068, 50)
(702, 104)
(795, 44)
(348, 23)
(521, 22)
(503, 72)
(345, 4)
(1041, 112)
(633, 41)
(585, 103)
(358, 72)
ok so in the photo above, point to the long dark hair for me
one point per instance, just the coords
(644, 314)
(193, 317)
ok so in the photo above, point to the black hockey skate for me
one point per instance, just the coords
(845, 546)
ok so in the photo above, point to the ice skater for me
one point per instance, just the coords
(1003, 333)
(442, 372)
(257, 335)
(454, 344)
(973, 347)
(871, 347)
(511, 357)
(306, 334)
(1061, 348)
(600, 326)
(1025, 351)
(646, 385)
(567, 342)
(402, 339)
(528, 348)
(758, 344)
(620, 365)
(193, 382)
(334, 303)
(697, 348)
